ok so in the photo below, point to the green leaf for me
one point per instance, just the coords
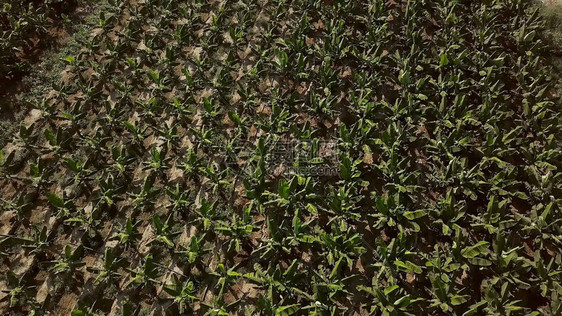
(157, 223)
(153, 76)
(480, 262)
(50, 137)
(235, 118)
(166, 240)
(130, 126)
(55, 200)
(473, 251)
(459, 299)
(421, 96)
(287, 310)
(408, 266)
(381, 205)
(336, 268)
(439, 288)
(546, 211)
(474, 308)
(403, 302)
(284, 189)
(411, 215)
(390, 289)
(71, 165)
(444, 60)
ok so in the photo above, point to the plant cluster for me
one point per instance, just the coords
(25, 25)
(120, 194)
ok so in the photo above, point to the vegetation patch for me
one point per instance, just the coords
(279, 157)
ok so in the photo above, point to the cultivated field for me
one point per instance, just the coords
(280, 157)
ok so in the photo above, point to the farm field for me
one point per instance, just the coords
(280, 157)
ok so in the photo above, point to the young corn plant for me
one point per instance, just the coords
(162, 231)
(70, 261)
(144, 275)
(183, 294)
